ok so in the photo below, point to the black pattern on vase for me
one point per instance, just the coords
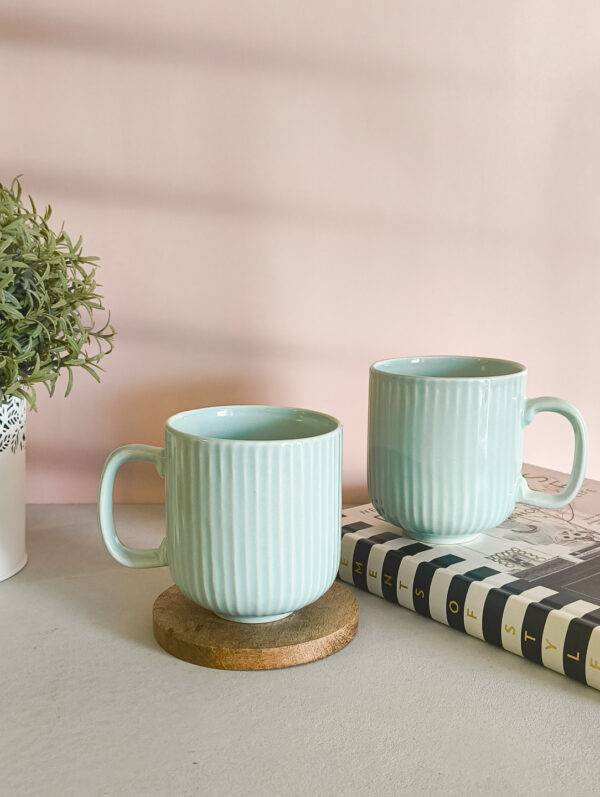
(12, 425)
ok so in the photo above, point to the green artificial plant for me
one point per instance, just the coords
(48, 303)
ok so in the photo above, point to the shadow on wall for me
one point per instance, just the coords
(134, 42)
(240, 351)
(309, 215)
(167, 197)
(138, 416)
(354, 494)
(133, 415)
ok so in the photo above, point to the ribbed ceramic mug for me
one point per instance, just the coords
(253, 508)
(446, 441)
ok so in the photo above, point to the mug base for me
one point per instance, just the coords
(189, 632)
(435, 539)
(270, 618)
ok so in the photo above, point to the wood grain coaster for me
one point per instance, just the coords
(193, 634)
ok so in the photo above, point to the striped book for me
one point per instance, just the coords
(530, 586)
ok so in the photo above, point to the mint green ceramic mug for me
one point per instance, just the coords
(253, 508)
(446, 440)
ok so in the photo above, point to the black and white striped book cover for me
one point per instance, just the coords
(530, 586)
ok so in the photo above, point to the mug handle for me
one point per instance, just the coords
(568, 411)
(143, 557)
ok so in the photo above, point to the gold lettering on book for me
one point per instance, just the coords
(549, 645)
(387, 580)
(471, 614)
(358, 568)
(454, 607)
(402, 586)
(571, 656)
(343, 563)
(527, 637)
(420, 593)
(510, 629)
(595, 664)
(373, 573)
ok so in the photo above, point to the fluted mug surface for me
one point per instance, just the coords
(445, 444)
(253, 508)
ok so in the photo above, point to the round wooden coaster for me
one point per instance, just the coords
(193, 634)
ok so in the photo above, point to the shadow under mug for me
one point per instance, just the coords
(253, 508)
(446, 441)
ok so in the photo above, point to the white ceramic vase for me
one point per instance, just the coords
(12, 487)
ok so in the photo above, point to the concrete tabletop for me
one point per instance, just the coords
(90, 705)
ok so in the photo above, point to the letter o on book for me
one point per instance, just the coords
(454, 607)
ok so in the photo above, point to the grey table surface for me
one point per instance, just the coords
(90, 705)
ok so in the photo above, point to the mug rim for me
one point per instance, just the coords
(239, 441)
(517, 369)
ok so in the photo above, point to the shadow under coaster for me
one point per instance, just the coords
(194, 634)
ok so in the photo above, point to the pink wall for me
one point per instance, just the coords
(282, 193)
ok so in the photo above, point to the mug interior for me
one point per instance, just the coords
(449, 367)
(252, 422)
